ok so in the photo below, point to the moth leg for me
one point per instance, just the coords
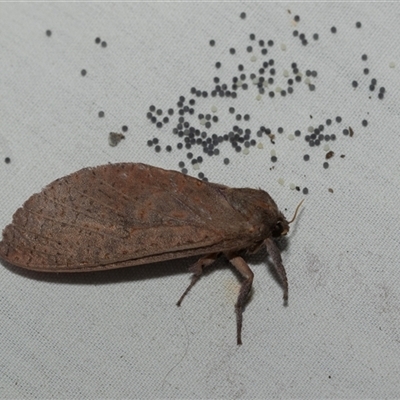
(275, 254)
(245, 288)
(197, 270)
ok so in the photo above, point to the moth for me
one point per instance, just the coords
(127, 214)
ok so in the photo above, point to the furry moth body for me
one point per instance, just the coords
(121, 215)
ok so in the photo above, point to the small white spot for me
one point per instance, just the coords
(310, 129)
(258, 97)
(283, 46)
(246, 151)
(253, 58)
(326, 147)
(278, 89)
(273, 153)
(291, 136)
(260, 146)
(255, 81)
(392, 64)
(239, 83)
(196, 166)
(292, 186)
(203, 121)
(265, 83)
(281, 181)
(214, 109)
(285, 73)
(307, 81)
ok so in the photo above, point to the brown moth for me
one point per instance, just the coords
(122, 215)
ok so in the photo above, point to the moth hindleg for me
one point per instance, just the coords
(247, 273)
(197, 270)
(275, 254)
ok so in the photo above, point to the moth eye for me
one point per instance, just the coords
(278, 230)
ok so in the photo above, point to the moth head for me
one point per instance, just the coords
(281, 227)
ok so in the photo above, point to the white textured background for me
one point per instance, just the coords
(119, 334)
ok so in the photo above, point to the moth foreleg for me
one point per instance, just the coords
(245, 288)
(197, 270)
(275, 254)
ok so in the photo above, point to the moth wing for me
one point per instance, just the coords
(118, 215)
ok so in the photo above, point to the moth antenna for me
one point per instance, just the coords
(295, 213)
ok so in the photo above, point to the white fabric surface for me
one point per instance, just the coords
(118, 334)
